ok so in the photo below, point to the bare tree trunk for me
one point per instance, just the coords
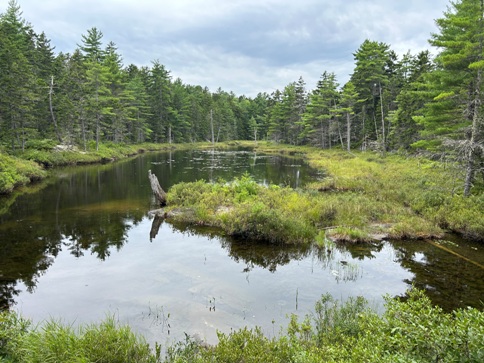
(51, 91)
(211, 126)
(383, 137)
(476, 117)
(348, 131)
(156, 188)
(471, 153)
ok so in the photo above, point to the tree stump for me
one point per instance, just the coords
(158, 191)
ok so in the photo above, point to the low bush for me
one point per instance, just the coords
(15, 172)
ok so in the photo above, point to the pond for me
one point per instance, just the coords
(80, 246)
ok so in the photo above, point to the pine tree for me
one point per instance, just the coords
(459, 77)
(321, 111)
(160, 100)
(349, 99)
(17, 78)
(370, 79)
(411, 99)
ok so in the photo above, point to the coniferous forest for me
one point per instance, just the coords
(413, 103)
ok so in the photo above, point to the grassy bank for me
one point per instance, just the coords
(15, 172)
(363, 197)
(21, 168)
(411, 331)
(414, 196)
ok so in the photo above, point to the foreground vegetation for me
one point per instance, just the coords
(410, 331)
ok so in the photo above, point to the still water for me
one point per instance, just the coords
(81, 246)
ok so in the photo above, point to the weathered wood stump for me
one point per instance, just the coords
(155, 226)
(158, 191)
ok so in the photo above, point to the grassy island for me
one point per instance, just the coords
(364, 197)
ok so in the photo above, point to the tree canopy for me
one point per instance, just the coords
(412, 103)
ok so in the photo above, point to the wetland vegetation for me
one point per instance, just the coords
(409, 331)
(400, 152)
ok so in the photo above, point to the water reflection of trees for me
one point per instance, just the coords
(27, 252)
(91, 209)
(450, 282)
(252, 254)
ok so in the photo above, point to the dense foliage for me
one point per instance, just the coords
(412, 102)
(410, 331)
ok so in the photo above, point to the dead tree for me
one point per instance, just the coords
(159, 193)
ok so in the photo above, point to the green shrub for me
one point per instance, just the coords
(15, 172)
(408, 331)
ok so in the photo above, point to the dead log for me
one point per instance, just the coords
(155, 226)
(158, 191)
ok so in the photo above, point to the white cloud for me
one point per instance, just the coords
(246, 46)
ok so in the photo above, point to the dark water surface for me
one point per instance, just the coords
(80, 248)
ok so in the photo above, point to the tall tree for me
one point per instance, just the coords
(349, 99)
(321, 111)
(410, 100)
(98, 93)
(459, 78)
(17, 78)
(370, 79)
(160, 101)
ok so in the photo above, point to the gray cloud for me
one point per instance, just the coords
(245, 46)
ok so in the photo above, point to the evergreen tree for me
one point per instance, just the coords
(349, 99)
(98, 94)
(179, 121)
(458, 77)
(160, 99)
(370, 79)
(119, 99)
(137, 105)
(321, 111)
(17, 78)
(411, 99)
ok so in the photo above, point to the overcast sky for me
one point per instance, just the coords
(244, 46)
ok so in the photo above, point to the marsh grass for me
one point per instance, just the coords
(407, 331)
(53, 341)
(418, 197)
(244, 209)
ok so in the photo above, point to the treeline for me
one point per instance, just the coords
(414, 102)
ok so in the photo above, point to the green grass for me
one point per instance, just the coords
(15, 172)
(363, 195)
(412, 197)
(408, 331)
(244, 209)
(108, 342)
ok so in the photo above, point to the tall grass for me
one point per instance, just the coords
(336, 331)
(55, 342)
